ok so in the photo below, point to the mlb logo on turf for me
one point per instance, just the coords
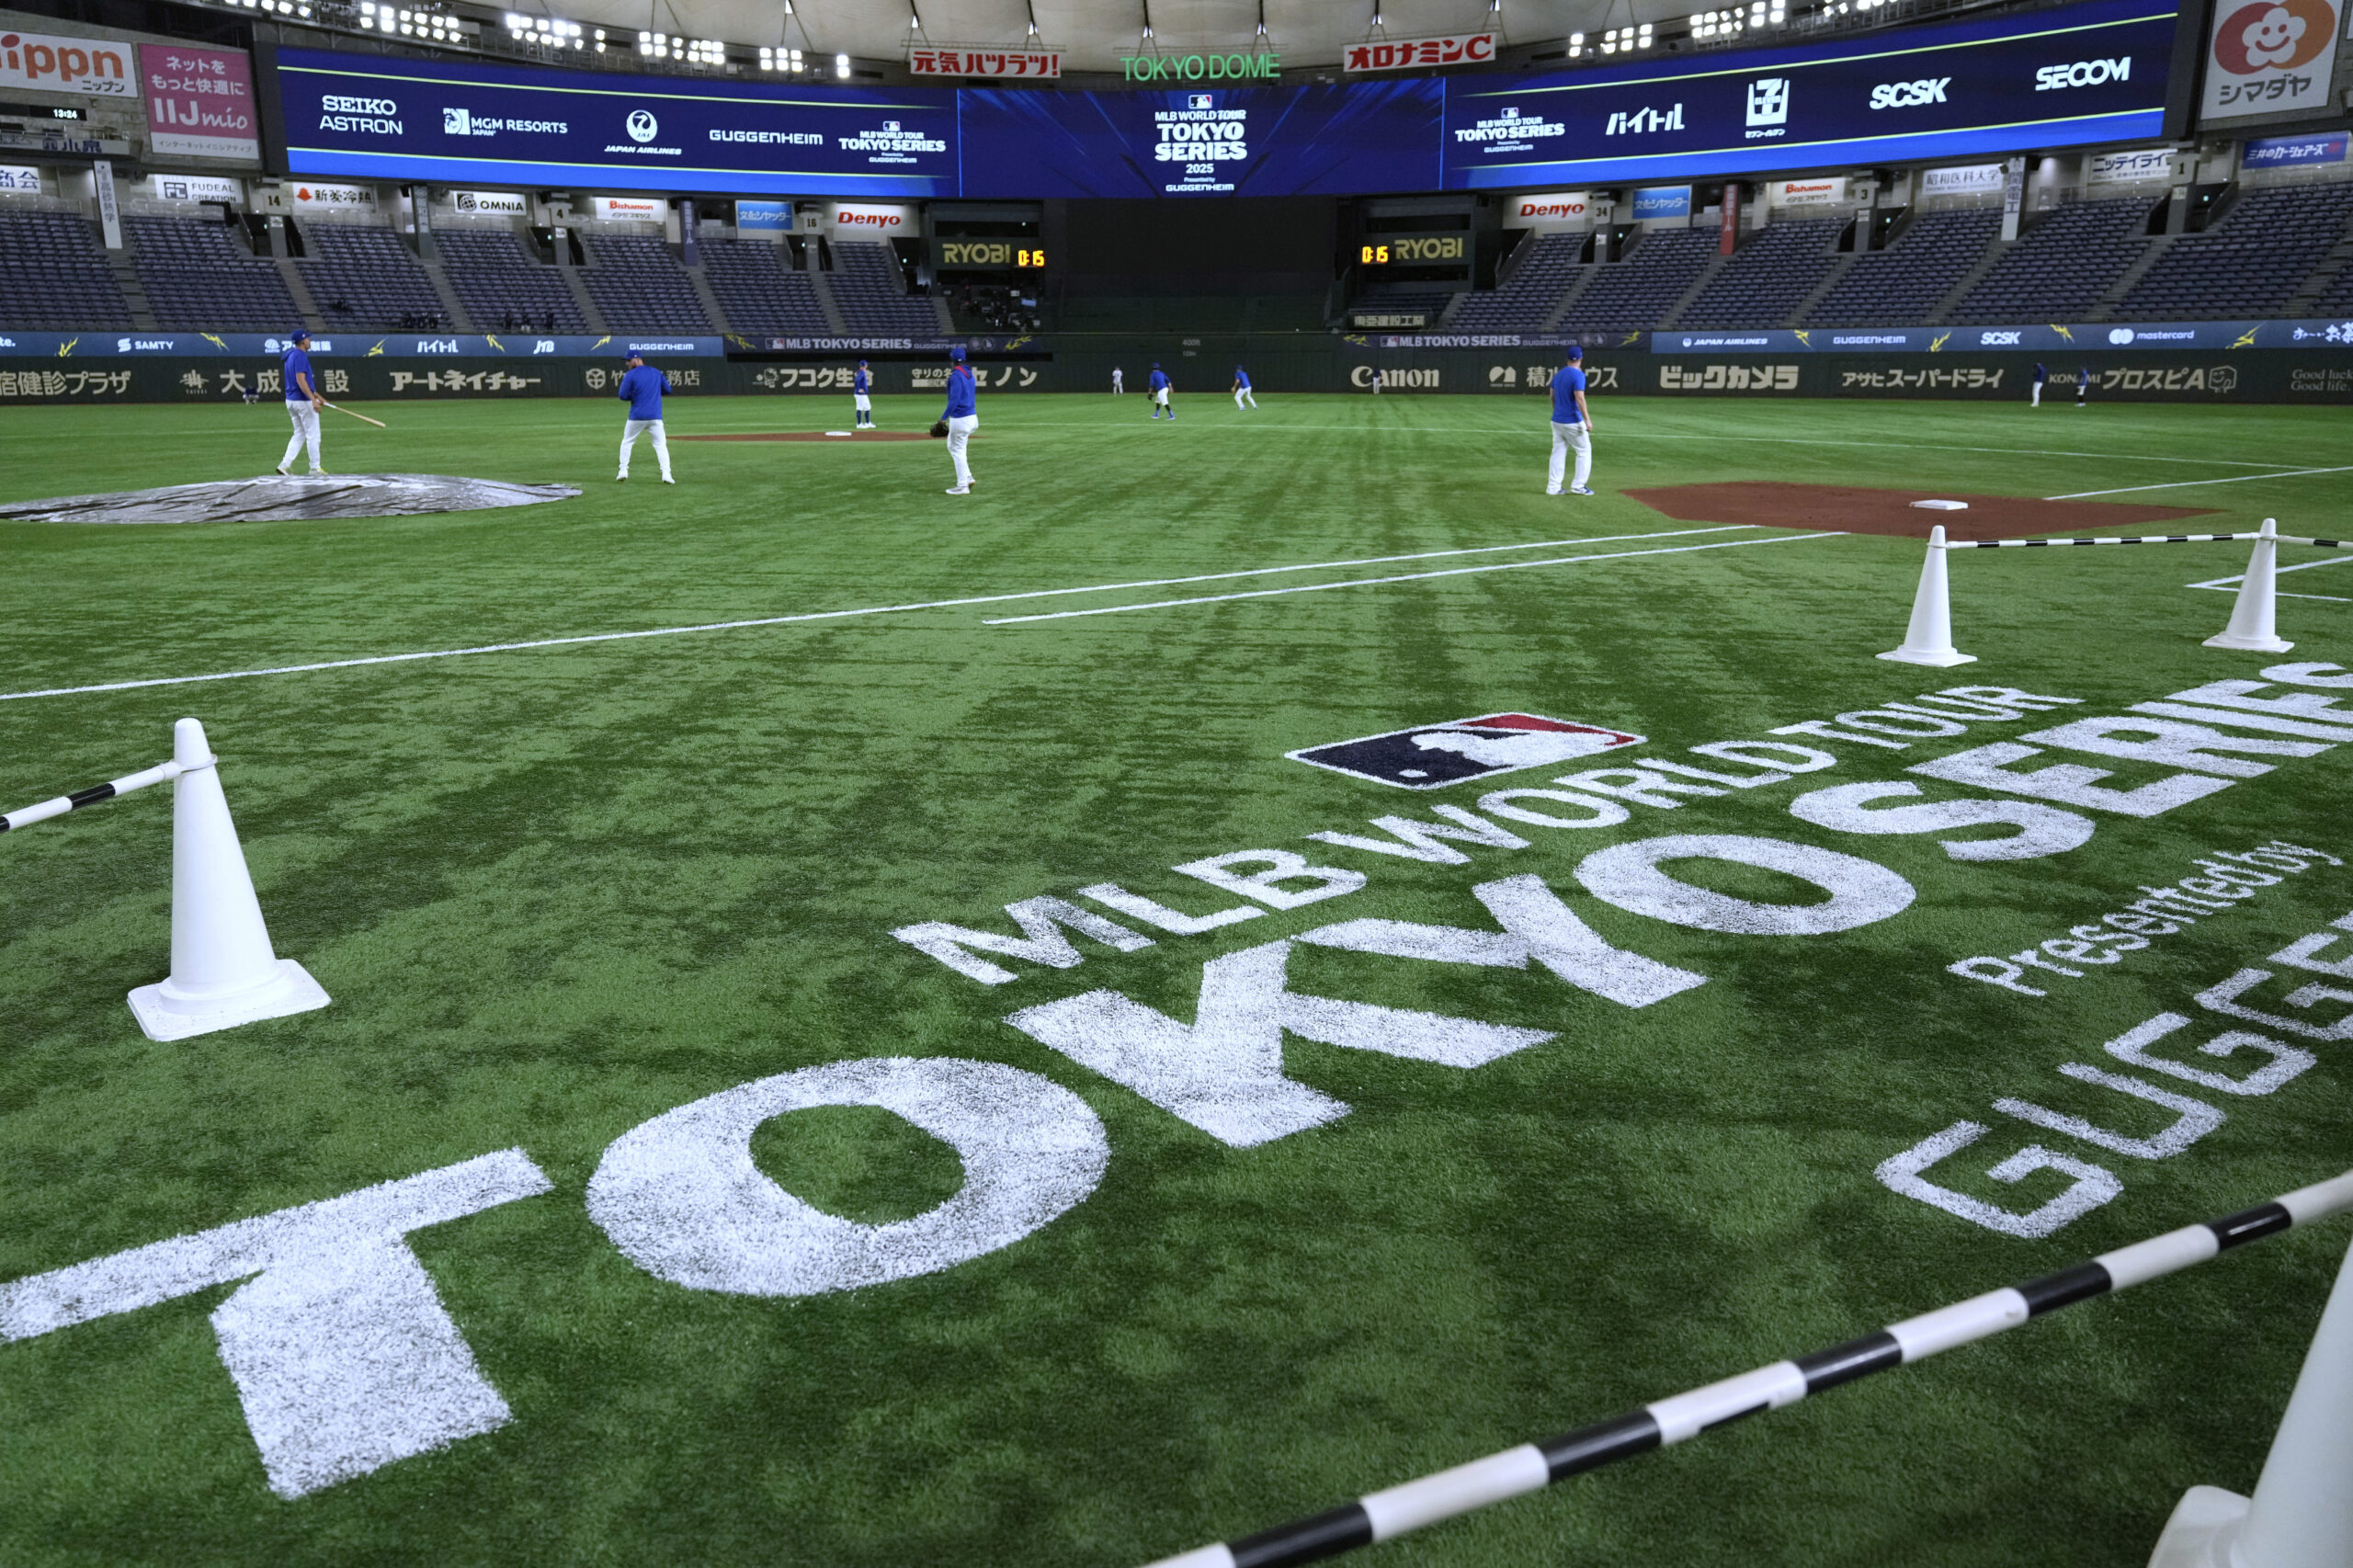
(1431, 757)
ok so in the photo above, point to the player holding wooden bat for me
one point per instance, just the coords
(302, 402)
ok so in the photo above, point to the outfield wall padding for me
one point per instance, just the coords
(1279, 364)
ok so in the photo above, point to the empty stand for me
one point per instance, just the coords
(757, 289)
(1903, 283)
(1768, 277)
(54, 275)
(2249, 265)
(1428, 303)
(640, 287)
(364, 279)
(1636, 293)
(1532, 291)
(2063, 266)
(198, 278)
(502, 287)
(868, 288)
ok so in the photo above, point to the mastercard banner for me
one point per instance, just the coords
(2269, 58)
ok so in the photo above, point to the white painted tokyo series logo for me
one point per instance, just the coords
(1431, 757)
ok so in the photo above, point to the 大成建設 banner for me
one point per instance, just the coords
(407, 120)
(2096, 72)
(1329, 140)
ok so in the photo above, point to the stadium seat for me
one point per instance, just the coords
(2062, 267)
(757, 289)
(1524, 301)
(1634, 294)
(1768, 277)
(2250, 264)
(364, 279)
(502, 288)
(871, 294)
(199, 279)
(1903, 283)
(55, 276)
(640, 287)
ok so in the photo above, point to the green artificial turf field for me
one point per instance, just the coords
(559, 892)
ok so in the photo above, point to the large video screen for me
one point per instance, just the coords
(2094, 72)
(364, 115)
(1320, 140)
(2089, 73)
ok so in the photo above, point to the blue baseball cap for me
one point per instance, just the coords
(1575, 353)
(956, 352)
(300, 335)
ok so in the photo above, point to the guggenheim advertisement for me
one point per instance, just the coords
(2097, 71)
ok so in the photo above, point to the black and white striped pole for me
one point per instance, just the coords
(2301, 1517)
(224, 971)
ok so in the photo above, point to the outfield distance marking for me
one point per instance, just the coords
(840, 614)
(1409, 577)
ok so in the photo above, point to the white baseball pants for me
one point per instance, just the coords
(1244, 392)
(1565, 439)
(306, 434)
(2038, 396)
(632, 429)
(960, 430)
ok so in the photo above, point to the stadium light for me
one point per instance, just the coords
(1576, 45)
(779, 58)
(1627, 40)
(841, 66)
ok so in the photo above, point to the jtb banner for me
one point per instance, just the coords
(428, 119)
(2091, 72)
(1327, 139)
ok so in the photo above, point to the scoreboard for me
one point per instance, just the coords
(986, 255)
(1416, 250)
(2072, 75)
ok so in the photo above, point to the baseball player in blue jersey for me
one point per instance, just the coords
(1241, 387)
(2042, 375)
(1572, 425)
(642, 387)
(963, 416)
(860, 385)
(1160, 393)
(302, 402)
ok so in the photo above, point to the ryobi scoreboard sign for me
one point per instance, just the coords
(2098, 71)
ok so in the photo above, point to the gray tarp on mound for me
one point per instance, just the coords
(278, 498)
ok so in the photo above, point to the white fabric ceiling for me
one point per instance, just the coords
(1092, 34)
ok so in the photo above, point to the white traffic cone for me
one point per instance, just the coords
(1929, 640)
(2251, 628)
(2302, 1513)
(223, 970)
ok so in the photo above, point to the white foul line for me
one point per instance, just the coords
(834, 615)
(2230, 584)
(1411, 577)
(2188, 483)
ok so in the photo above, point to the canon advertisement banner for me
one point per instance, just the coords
(1418, 53)
(432, 120)
(2269, 58)
(1549, 210)
(2093, 73)
(57, 65)
(1325, 140)
(199, 102)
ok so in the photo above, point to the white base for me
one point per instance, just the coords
(294, 991)
(1942, 661)
(2199, 1534)
(1942, 505)
(2249, 644)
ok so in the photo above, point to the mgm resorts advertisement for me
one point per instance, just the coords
(2091, 71)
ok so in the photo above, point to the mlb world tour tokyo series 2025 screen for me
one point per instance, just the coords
(2100, 71)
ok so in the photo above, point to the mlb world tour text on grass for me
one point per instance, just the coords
(346, 1359)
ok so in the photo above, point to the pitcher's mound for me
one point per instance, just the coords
(1847, 508)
